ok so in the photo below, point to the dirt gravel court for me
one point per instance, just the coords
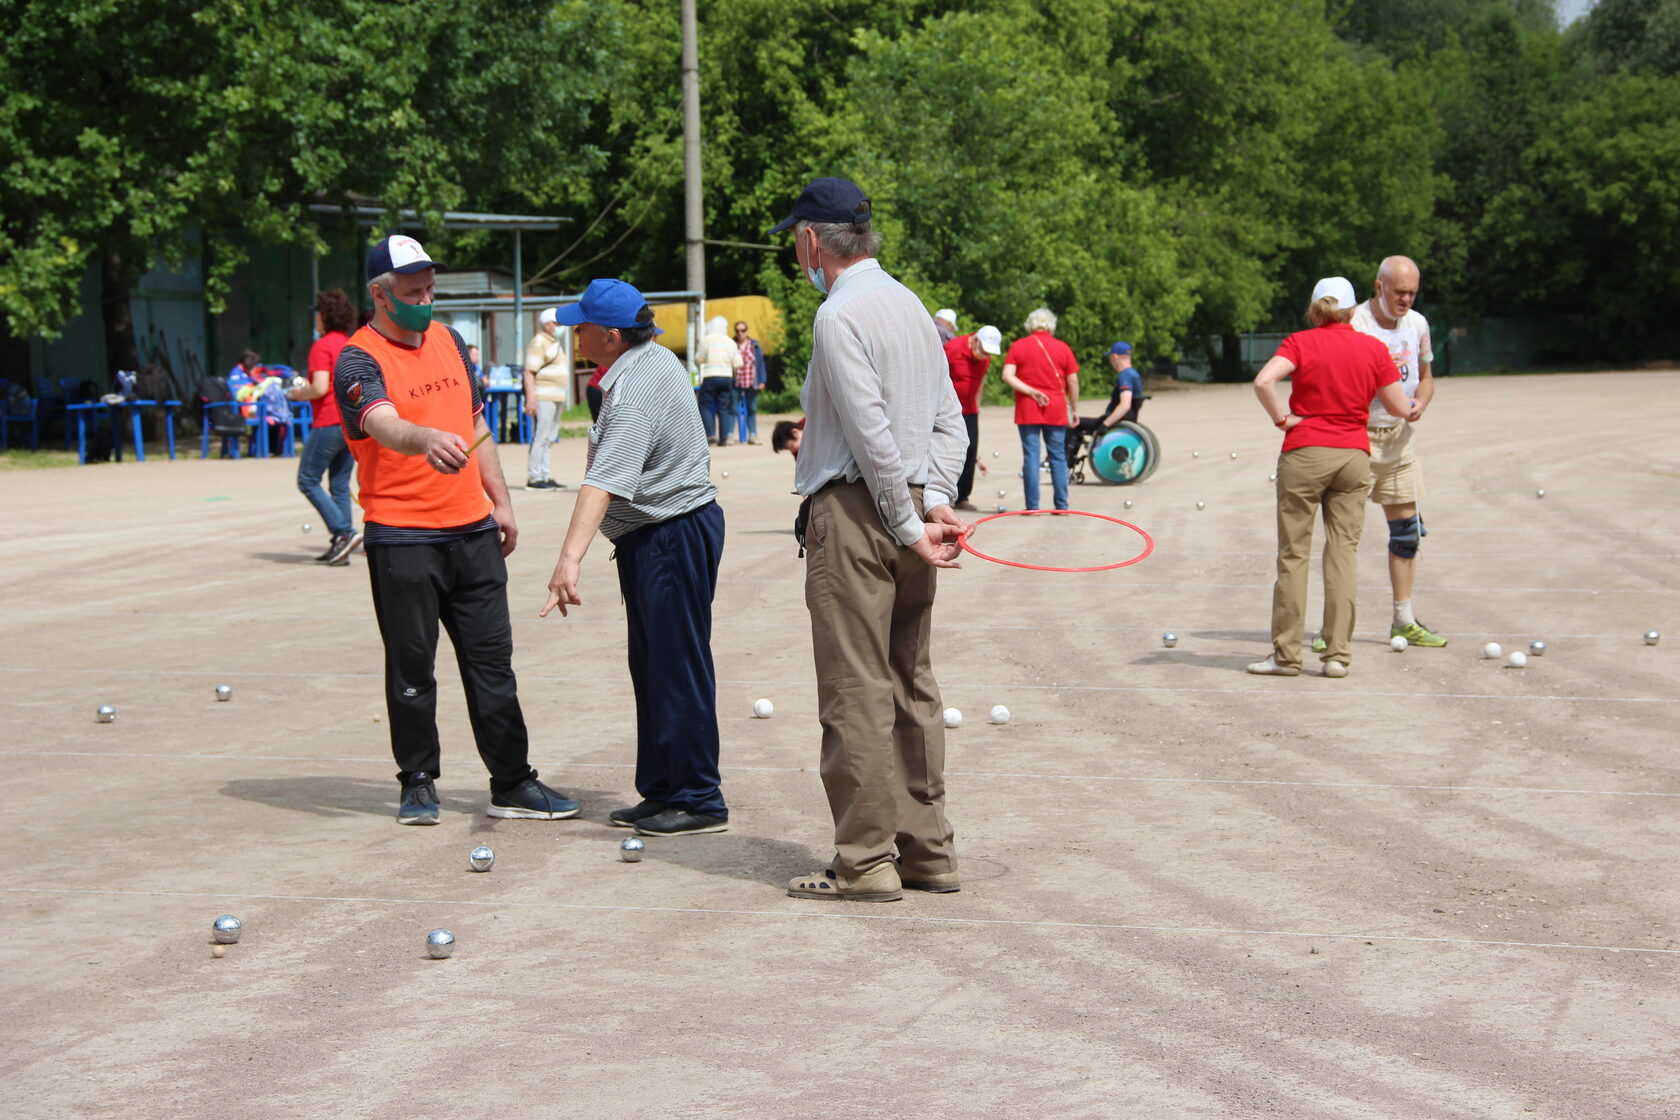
(1438, 888)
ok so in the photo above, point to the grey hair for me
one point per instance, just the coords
(1043, 319)
(386, 280)
(846, 240)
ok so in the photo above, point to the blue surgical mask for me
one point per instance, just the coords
(815, 275)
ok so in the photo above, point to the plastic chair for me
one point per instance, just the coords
(207, 429)
(297, 428)
(32, 417)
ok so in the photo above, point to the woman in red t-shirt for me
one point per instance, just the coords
(1326, 461)
(1045, 376)
(325, 453)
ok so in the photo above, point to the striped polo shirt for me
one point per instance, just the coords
(648, 448)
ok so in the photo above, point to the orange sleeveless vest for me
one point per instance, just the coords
(428, 386)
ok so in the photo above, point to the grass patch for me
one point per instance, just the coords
(11, 460)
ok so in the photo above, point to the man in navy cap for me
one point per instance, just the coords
(1123, 403)
(883, 444)
(439, 525)
(648, 489)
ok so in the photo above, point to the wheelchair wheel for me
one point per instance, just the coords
(1127, 453)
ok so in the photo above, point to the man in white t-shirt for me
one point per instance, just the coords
(1396, 480)
(548, 374)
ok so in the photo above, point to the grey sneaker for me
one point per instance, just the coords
(419, 800)
(531, 800)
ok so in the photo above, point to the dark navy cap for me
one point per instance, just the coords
(397, 253)
(828, 200)
(1120, 348)
(606, 303)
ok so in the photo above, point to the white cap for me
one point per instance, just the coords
(548, 316)
(1338, 288)
(946, 314)
(991, 339)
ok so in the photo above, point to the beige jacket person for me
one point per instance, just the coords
(549, 362)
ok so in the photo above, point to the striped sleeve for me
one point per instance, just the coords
(359, 386)
(624, 443)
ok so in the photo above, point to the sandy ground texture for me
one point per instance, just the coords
(1438, 888)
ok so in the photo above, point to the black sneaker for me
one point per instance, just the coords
(627, 818)
(531, 800)
(332, 544)
(343, 545)
(680, 822)
(419, 800)
(542, 484)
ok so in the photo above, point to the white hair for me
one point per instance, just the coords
(717, 324)
(844, 240)
(386, 280)
(1042, 319)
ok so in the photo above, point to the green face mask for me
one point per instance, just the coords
(409, 316)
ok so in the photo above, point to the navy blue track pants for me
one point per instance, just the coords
(668, 575)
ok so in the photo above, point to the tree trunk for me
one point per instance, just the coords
(116, 281)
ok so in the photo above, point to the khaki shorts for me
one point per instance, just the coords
(1396, 478)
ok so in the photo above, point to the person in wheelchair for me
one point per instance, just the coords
(1123, 403)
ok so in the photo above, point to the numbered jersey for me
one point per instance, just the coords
(1408, 345)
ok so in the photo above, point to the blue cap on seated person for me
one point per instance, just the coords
(606, 303)
(1120, 348)
(397, 253)
(830, 201)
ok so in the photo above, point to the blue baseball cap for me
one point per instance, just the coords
(1120, 348)
(828, 200)
(397, 253)
(606, 303)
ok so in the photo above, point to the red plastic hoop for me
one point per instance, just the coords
(1148, 541)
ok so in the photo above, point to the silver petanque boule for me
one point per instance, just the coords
(224, 692)
(105, 714)
(226, 929)
(481, 858)
(440, 944)
(630, 850)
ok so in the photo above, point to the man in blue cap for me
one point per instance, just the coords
(439, 526)
(1123, 403)
(883, 445)
(648, 489)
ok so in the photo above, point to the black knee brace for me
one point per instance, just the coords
(1403, 536)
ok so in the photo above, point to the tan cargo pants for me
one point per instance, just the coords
(883, 742)
(1338, 480)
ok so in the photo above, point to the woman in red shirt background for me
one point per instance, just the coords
(325, 452)
(1045, 376)
(1326, 461)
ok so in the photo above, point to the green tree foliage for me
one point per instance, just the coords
(125, 124)
(1160, 172)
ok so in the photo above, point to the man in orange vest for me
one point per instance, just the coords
(439, 525)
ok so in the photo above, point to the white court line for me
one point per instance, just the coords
(965, 686)
(949, 773)
(832, 914)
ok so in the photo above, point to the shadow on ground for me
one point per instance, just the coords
(336, 795)
(283, 557)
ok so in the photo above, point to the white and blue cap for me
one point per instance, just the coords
(398, 253)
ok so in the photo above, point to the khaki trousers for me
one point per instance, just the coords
(1338, 479)
(883, 743)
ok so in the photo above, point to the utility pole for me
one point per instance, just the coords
(694, 213)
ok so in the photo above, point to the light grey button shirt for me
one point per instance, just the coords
(648, 449)
(879, 403)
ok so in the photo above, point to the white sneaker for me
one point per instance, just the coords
(1335, 669)
(1270, 668)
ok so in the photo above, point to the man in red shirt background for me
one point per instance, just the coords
(970, 356)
